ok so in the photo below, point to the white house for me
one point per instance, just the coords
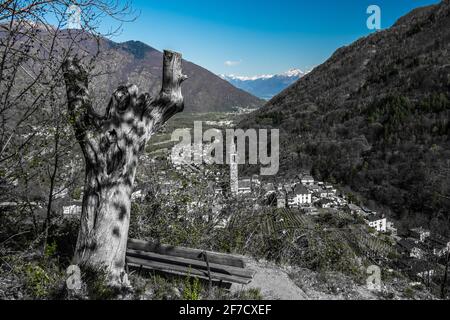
(306, 180)
(417, 253)
(72, 210)
(440, 245)
(441, 251)
(244, 186)
(330, 190)
(325, 203)
(301, 195)
(256, 181)
(321, 193)
(377, 222)
(412, 249)
(391, 228)
(420, 233)
(218, 190)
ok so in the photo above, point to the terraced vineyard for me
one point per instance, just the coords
(370, 245)
(290, 222)
(285, 220)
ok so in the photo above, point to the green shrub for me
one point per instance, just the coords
(42, 280)
(50, 250)
(37, 280)
(192, 288)
(76, 193)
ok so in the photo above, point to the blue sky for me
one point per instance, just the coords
(249, 37)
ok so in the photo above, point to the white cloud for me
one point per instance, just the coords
(230, 63)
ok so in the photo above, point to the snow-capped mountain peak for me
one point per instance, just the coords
(290, 73)
(244, 78)
(294, 73)
(267, 85)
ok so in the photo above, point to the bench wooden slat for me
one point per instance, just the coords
(187, 253)
(240, 272)
(183, 270)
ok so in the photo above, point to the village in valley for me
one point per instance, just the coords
(417, 252)
(422, 254)
(203, 191)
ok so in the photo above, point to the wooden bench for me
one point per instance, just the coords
(212, 266)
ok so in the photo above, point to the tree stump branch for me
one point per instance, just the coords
(111, 144)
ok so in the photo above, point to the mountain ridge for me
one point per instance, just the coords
(138, 63)
(375, 117)
(203, 92)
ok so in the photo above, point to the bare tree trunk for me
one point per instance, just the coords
(111, 146)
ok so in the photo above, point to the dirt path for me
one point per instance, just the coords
(273, 282)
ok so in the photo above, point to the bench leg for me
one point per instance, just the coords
(205, 257)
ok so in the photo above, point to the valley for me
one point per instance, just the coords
(374, 117)
(97, 202)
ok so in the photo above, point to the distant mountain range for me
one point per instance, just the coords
(375, 117)
(265, 86)
(141, 64)
(138, 63)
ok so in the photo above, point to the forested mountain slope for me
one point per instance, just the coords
(375, 117)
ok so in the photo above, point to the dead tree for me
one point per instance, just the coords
(111, 145)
